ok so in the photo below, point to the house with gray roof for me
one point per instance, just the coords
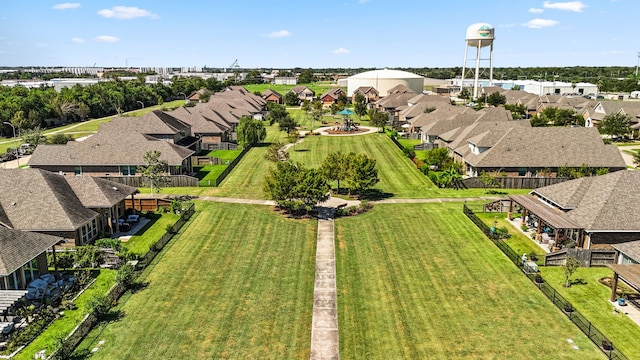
(272, 96)
(77, 209)
(303, 92)
(593, 212)
(370, 94)
(112, 151)
(595, 111)
(527, 151)
(23, 257)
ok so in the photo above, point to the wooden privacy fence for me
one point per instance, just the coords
(586, 257)
(146, 204)
(169, 180)
(601, 341)
(508, 182)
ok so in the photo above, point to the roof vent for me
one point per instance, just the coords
(13, 203)
(115, 188)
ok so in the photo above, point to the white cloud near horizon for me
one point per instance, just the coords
(340, 51)
(279, 34)
(539, 23)
(77, 40)
(575, 6)
(536, 10)
(65, 6)
(126, 13)
(106, 38)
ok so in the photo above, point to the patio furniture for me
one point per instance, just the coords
(545, 238)
(133, 218)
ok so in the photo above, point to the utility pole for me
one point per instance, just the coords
(638, 63)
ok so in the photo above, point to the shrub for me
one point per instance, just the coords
(114, 244)
(409, 152)
(100, 305)
(126, 276)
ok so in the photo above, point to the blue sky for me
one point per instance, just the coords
(317, 34)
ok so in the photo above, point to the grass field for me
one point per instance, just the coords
(590, 298)
(153, 231)
(398, 175)
(318, 87)
(236, 284)
(421, 282)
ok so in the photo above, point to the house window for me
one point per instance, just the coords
(129, 170)
(522, 171)
(77, 170)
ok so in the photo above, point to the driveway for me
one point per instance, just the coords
(628, 159)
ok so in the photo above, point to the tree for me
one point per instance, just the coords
(489, 179)
(59, 139)
(464, 94)
(291, 99)
(360, 105)
(616, 125)
(154, 171)
(438, 158)
(496, 99)
(378, 118)
(126, 276)
(34, 137)
(294, 187)
(557, 117)
(570, 266)
(517, 111)
(306, 76)
(335, 167)
(274, 154)
(317, 111)
(363, 173)
(250, 131)
(451, 176)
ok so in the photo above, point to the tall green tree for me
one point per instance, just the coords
(363, 173)
(291, 99)
(336, 167)
(378, 118)
(616, 125)
(306, 76)
(496, 99)
(294, 187)
(250, 131)
(154, 170)
(360, 105)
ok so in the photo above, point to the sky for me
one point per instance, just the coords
(315, 34)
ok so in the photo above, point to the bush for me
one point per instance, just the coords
(64, 259)
(114, 244)
(409, 152)
(126, 276)
(100, 305)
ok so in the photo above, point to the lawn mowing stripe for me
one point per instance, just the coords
(453, 294)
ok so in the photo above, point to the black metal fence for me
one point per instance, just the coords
(91, 320)
(565, 306)
(231, 165)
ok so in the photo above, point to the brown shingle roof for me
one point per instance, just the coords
(95, 192)
(600, 203)
(629, 248)
(38, 200)
(19, 247)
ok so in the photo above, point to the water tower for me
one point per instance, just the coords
(479, 36)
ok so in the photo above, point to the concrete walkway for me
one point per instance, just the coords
(324, 326)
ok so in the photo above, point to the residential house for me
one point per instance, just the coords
(522, 98)
(117, 149)
(400, 89)
(208, 125)
(77, 209)
(370, 94)
(421, 104)
(195, 96)
(331, 96)
(23, 257)
(526, 151)
(393, 104)
(303, 93)
(429, 125)
(593, 212)
(595, 111)
(272, 96)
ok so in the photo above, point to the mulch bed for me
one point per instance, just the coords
(339, 132)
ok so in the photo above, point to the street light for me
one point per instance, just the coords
(185, 97)
(141, 103)
(15, 140)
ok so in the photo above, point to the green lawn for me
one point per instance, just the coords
(398, 175)
(151, 233)
(518, 241)
(590, 298)
(420, 281)
(237, 284)
(319, 87)
(60, 328)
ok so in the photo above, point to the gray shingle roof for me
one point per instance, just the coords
(38, 200)
(630, 248)
(600, 203)
(110, 146)
(549, 147)
(19, 247)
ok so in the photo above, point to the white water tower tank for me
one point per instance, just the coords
(480, 35)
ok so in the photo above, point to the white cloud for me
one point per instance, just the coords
(65, 6)
(77, 40)
(535, 10)
(575, 6)
(340, 51)
(106, 38)
(126, 13)
(279, 34)
(539, 23)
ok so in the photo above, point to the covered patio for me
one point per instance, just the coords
(552, 227)
(630, 275)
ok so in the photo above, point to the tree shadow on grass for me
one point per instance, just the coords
(300, 150)
(138, 286)
(374, 194)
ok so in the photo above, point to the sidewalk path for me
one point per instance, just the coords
(324, 325)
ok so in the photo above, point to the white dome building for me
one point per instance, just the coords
(383, 80)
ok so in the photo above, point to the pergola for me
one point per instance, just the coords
(630, 274)
(551, 217)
